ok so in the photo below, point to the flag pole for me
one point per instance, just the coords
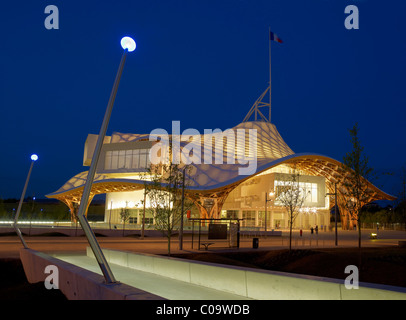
(269, 39)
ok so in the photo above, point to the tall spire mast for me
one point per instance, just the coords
(261, 100)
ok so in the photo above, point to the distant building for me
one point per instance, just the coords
(218, 190)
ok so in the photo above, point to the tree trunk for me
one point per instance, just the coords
(169, 244)
(359, 231)
(169, 233)
(290, 233)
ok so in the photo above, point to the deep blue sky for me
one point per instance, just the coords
(203, 62)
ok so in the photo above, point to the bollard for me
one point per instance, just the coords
(255, 243)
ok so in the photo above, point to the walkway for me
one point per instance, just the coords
(162, 286)
(10, 245)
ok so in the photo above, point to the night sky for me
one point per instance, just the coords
(204, 63)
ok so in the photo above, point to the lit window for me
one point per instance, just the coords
(107, 161)
(114, 160)
(121, 159)
(314, 192)
(143, 158)
(136, 159)
(127, 159)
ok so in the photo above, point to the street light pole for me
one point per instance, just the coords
(143, 214)
(181, 217)
(266, 204)
(34, 158)
(128, 45)
(266, 211)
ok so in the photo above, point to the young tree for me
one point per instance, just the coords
(357, 192)
(164, 191)
(292, 198)
(125, 216)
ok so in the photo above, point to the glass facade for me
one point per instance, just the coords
(231, 214)
(248, 217)
(127, 159)
(305, 187)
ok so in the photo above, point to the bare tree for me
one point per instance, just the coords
(357, 192)
(164, 190)
(125, 216)
(292, 197)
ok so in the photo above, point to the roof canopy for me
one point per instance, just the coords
(213, 178)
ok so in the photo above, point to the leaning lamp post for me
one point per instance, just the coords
(128, 44)
(34, 158)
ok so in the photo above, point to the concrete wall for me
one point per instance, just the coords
(251, 283)
(80, 284)
(77, 283)
(90, 145)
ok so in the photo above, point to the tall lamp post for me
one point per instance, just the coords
(128, 45)
(182, 208)
(271, 195)
(34, 158)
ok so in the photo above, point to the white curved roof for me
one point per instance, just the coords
(269, 147)
(271, 150)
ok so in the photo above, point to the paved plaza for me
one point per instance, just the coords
(10, 245)
(73, 250)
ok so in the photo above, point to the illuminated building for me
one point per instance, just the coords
(218, 190)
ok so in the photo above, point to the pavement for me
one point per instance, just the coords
(10, 245)
(73, 250)
(165, 287)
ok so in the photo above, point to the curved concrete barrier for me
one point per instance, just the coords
(77, 283)
(252, 283)
(80, 284)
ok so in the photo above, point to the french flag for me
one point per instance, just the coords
(274, 37)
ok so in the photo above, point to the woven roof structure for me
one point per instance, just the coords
(216, 180)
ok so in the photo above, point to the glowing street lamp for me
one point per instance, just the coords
(128, 45)
(34, 158)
